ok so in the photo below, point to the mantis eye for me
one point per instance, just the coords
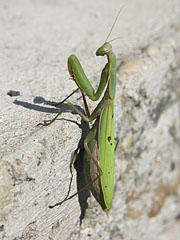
(105, 48)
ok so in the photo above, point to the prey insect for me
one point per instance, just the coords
(98, 158)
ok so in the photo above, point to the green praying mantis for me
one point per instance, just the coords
(98, 159)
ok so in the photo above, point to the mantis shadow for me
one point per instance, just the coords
(80, 179)
(45, 108)
(78, 153)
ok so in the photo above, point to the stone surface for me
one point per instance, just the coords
(36, 39)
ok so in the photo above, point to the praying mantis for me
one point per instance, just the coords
(98, 158)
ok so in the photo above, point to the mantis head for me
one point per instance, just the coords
(107, 47)
(104, 49)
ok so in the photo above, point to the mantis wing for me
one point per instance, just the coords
(106, 153)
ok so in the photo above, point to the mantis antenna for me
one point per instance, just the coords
(114, 24)
(114, 39)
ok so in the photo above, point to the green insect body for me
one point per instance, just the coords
(100, 141)
(102, 147)
(98, 159)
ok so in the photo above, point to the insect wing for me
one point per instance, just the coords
(106, 153)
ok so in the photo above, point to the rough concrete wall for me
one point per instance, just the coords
(36, 40)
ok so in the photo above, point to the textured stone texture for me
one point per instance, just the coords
(36, 40)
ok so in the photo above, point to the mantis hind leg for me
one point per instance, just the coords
(85, 118)
(60, 103)
(92, 151)
(73, 159)
(88, 139)
(73, 195)
(84, 100)
(61, 111)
